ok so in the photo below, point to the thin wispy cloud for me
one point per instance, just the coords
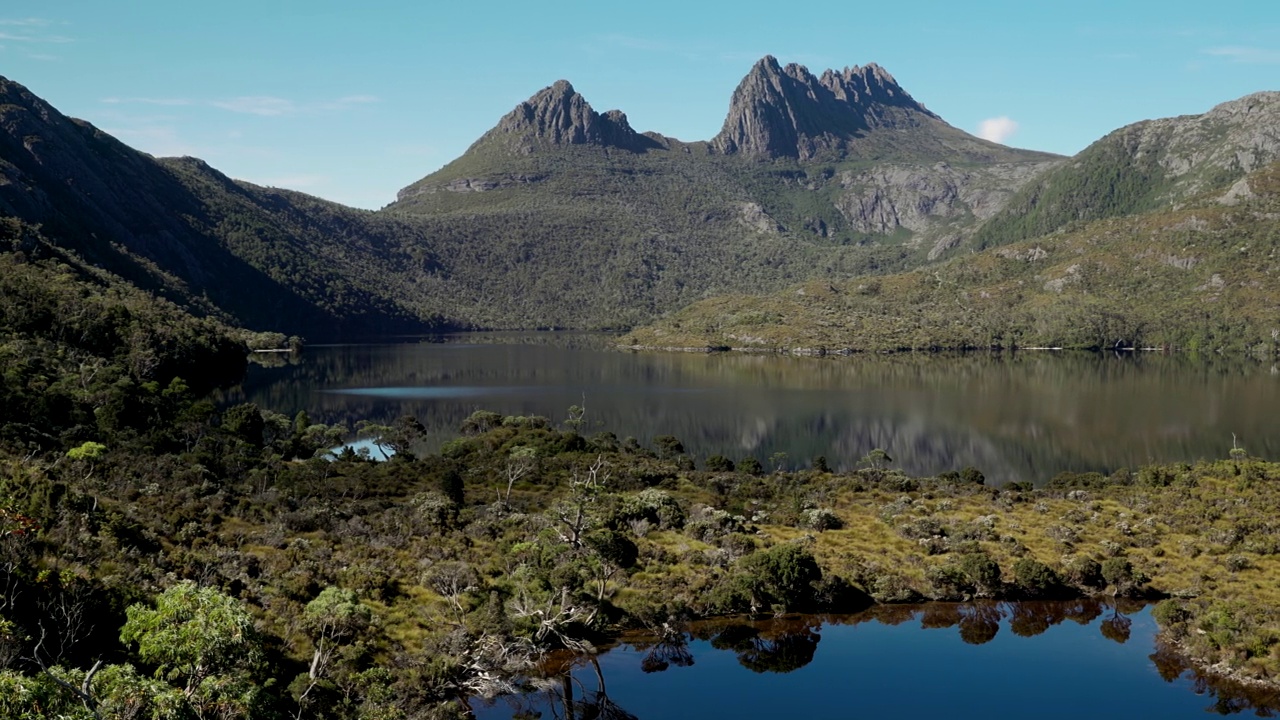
(159, 140)
(29, 38)
(29, 30)
(1246, 55)
(997, 129)
(343, 103)
(260, 105)
(264, 105)
(170, 102)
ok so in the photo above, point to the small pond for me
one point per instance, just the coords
(1077, 659)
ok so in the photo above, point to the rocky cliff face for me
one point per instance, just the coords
(940, 203)
(559, 115)
(788, 112)
(1197, 151)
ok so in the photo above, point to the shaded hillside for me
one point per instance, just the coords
(1145, 166)
(264, 258)
(84, 353)
(1199, 278)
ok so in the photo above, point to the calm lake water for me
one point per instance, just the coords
(1007, 660)
(1022, 417)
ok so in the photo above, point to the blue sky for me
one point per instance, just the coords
(352, 101)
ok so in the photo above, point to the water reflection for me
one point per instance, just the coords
(780, 646)
(1027, 416)
(878, 653)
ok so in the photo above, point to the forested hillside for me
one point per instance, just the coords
(1142, 167)
(1200, 278)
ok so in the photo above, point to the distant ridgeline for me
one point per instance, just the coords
(564, 217)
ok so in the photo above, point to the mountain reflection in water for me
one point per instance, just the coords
(1000, 660)
(1014, 417)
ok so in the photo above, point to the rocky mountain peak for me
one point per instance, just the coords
(787, 111)
(559, 115)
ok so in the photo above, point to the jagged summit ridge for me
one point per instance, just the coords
(787, 111)
(559, 115)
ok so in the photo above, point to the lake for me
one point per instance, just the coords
(1015, 417)
(1079, 659)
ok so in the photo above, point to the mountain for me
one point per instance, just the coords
(1198, 277)
(856, 113)
(559, 216)
(564, 217)
(1145, 166)
(592, 224)
(558, 115)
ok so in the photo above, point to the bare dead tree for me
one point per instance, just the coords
(84, 693)
(520, 462)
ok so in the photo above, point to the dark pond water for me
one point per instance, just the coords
(1023, 417)
(1008, 660)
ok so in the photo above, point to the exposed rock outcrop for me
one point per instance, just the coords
(559, 115)
(788, 112)
(928, 198)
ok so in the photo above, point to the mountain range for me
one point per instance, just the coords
(564, 217)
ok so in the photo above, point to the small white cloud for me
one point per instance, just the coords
(1246, 55)
(257, 105)
(997, 129)
(25, 22)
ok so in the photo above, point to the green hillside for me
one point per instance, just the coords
(1198, 278)
(1145, 166)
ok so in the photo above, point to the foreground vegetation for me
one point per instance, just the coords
(161, 557)
(226, 575)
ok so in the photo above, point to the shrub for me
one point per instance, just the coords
(982, 571)
(821, 519)
(1084, 572)
(719, 463)
(1120, 574)
(1035, 578)
(667, 446)
(781, 577)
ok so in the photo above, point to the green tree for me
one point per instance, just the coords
(719, 463)
(336, 617)
(1035, 578)
(781, 577)
(204, 643)
(667, 446)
